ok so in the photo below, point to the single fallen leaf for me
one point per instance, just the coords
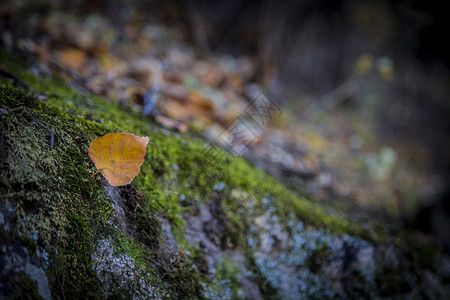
(195, 108)
(72, 58)
(118, 156)
(170, 123)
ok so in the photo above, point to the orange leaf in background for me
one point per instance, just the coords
(118, 156)
(72, 58)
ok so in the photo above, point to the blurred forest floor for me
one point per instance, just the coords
(359, 89)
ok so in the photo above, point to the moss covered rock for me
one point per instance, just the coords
(197, 222)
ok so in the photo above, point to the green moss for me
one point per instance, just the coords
(228, 279)
(199, 167)
(53, 193)
(134, 249)
(54, 200)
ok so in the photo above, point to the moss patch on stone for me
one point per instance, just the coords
(54, 202)
(177, 165)
(49, 185)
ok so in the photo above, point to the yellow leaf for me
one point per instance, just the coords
(118, 156)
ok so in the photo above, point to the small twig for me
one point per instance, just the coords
(62, 290)
(96, 173)
(151, 96)
(52, 139)
(333, 98)
(16, 80)
(77, 80)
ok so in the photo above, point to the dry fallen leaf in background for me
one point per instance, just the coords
(118, 156)
(72, 58)
(171, 123)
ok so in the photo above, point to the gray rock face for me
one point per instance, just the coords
(280, 255)
(20, 267)
(119, 271)
(303, 262)
(313, 263)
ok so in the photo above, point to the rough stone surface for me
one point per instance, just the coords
(16, 262)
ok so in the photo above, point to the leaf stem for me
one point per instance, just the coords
(97, 172)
